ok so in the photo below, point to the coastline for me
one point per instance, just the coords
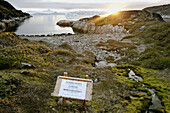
(6, 24)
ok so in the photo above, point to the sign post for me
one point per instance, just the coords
(74, 89)
(64, 100)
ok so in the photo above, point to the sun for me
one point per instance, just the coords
(113, 9)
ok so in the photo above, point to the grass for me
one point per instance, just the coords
(113, 45)
(156, 56)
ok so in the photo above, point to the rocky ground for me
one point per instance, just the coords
(84, 42)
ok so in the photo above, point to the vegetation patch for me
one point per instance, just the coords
(9, 39)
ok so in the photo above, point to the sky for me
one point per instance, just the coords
(112, 5)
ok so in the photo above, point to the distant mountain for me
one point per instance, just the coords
(163, 10)
(7, 11)
(68, 14)
(46, 12)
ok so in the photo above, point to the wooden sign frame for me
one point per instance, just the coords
(88, 92)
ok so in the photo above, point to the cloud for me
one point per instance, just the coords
(85, 4)
(60, 5)
(137, 5)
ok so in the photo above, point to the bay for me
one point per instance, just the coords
(42, 25)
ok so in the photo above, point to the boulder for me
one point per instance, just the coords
(2, 26)
(133, 76)
(25, 72)
(85, 28)
(26, 65)
(65, 23)
(90, 27)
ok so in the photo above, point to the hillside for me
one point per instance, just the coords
(7, 11)
(162, 9)
(9, 16)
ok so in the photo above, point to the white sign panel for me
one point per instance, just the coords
(73, 89)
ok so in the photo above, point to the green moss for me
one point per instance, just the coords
(154, 79)
(138, 104)
(158, 80)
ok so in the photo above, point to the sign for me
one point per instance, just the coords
(74, 88)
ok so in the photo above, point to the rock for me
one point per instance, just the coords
(138, 78)
(101, 64)
(25, 72)
(2, 26)
(133, 76)
(142, 27)
(85, 28)
(157, 9)
(26, 65)
(60, 102)
(112, 64)
(87, 25)
(65, 23)
(90, 27)
(96, 80)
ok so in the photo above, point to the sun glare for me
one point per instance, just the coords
(113, 9)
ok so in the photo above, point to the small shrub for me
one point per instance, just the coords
(148, 55)
(64, 52)
(157, 63)
(65, 46)
(8, 85)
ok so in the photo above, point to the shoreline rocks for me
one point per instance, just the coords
(9, 16)
(110, 24)
(91, 28)
(5, 24)
(65, 23)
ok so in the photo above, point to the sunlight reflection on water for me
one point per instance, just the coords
(42, 24)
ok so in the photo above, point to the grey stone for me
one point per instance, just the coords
(25, 72)
(101, 64)
(133, 76)
(60, 102)
(112, 64)
(26, 65)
